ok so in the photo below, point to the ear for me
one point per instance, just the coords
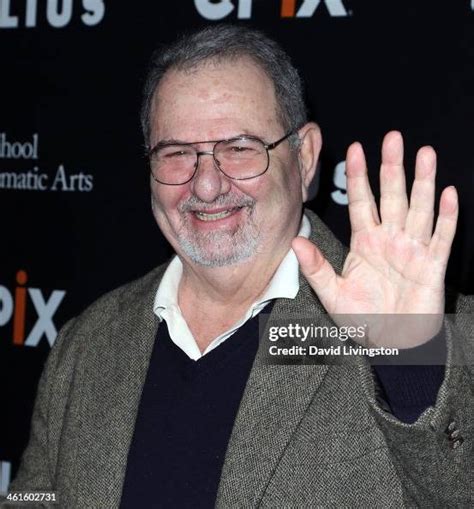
(308, 154)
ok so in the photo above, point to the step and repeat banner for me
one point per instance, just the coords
(74, 199)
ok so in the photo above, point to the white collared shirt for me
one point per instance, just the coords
(284, 284)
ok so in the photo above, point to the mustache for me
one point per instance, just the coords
(231, 201)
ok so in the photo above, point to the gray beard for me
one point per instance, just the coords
(218, 249)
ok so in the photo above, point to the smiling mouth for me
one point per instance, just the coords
(214, 216)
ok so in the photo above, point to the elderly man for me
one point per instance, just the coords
(159, 396)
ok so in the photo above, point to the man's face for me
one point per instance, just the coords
(214, 220)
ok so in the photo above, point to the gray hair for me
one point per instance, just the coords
(229, 42)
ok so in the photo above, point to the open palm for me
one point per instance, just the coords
(396, 264)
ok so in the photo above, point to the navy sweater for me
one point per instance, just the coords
(184, 421)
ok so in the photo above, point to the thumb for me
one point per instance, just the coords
(317, 270)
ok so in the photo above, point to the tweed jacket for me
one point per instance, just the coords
(304, 436)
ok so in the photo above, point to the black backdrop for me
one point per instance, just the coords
(74, 199)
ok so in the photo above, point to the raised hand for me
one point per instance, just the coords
(396, 264)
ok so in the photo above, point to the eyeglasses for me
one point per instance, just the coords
(240, 158)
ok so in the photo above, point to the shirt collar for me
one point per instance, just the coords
(284, 283)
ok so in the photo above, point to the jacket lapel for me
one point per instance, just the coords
(276, 397)
(273, 404)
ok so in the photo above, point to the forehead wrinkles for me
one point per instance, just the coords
(219, 84)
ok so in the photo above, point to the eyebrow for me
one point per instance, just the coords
(172, 141)
(175, 141)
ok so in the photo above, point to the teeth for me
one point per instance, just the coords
(203, 216)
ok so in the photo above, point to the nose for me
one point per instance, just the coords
(209, 182)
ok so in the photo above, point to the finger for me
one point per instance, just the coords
(393, 195)
(318, 271)
(441, 242)
(363, 212)
(419, 223)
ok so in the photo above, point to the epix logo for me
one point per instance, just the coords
(14, 307)
(288, 8)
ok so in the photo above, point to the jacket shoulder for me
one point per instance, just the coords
(114, 304)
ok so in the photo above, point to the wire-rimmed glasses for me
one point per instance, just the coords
(240, 158)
